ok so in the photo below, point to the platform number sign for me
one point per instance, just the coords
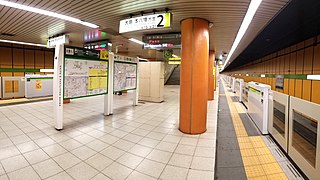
(154, 21)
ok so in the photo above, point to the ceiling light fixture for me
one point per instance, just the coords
(253, 7)
(136, 41)
(23, 43)
(47, 13)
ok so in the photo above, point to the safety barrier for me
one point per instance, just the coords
(13, 87)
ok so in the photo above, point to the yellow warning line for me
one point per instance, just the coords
(257, 159)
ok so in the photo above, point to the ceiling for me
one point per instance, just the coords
(299, 21)
(226, 16)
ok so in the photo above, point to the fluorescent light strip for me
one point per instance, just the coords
(253, 7)
(136, 41)
(23, 43)
(45, 12)
(313, 77)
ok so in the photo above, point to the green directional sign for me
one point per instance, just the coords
(168, 53)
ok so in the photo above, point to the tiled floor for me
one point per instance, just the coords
(141, 142)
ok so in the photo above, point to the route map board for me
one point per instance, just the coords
(85, 74)
(125, 76)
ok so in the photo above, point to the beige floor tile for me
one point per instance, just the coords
(174, 173)
(20, 139)
(54, 150)
(185, 149)
(60, 176)
(130, 160)
(166, 146)
(201, 163)
(83, 152)
(205, 152)
(14, 163)
(84, 139)
(70, 144)
(4, 177)
(9, 151)
(172, 138)
(27, 146)
(140, 150)
(97, 145)
(151, 168)
(189, 141)
(67, 160)
(133, 138)
(159, 156)
(112, 152)
(137, 175)
(2, 170)
(109, 139)
(156, 135)
(124, 145)
(47, 168)
(82, 171)
(117, 171)
(181, 160)
(99, 161)
(199, 175)
(36, 156)
(45, 141)
(26, 174)
(149, 142)
(100, 176)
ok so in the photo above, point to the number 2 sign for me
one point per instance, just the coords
(153, 21)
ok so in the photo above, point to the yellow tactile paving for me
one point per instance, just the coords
(262, 151)
(248, 152)
(250, 161)
(272, 168)
(258, 178)
(280, 176)
(257, 159)
(254, 171)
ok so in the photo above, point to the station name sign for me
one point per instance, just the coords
(52, 42)
(154, 21)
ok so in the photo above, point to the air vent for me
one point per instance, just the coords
(7, 34)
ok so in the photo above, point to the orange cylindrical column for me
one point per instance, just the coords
(194, 75)
(211, 76)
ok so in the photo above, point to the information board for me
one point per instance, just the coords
(125, 76)
(85, 74)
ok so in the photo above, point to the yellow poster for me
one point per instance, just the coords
(98, 72)
(93, 83)
(103, 54)
(38, 84)
(103, 83)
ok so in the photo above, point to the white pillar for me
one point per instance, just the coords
(58, 86)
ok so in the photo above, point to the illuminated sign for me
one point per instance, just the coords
(175, 59)
(52, 42)
(162, 41)
(174, 62)
(154, 21)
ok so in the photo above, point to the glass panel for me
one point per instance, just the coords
(279, 117)
(304, 138)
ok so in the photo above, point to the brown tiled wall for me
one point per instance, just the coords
(28, 57)
(301, 58)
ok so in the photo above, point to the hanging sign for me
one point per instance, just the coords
(154, 21)
(52, 42)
